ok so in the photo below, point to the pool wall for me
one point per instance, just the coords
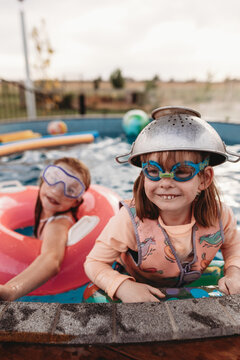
(110, 126)
(105, 126)
(84, 324)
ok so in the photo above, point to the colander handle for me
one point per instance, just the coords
(232, 153)
(117, 158)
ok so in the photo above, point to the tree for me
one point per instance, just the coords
(117, 79)
(43, 50)
(96, 82)
(151, 84)
(48, 97)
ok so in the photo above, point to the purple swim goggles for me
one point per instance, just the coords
(72, 186)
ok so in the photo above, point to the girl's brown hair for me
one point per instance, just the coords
(85, 176)
(206, 206)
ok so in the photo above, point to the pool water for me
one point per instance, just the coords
(100, 158)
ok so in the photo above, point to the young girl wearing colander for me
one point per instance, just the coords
(60, 195)
(170, 231)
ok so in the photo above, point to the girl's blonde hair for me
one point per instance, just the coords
(207, 205)
(85, 177)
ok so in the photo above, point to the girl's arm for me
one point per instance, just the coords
(230, 283)
(45, 266)
(118, 285)
(107, 249)
(117, 237)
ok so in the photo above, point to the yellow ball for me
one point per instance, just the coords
(57, 127)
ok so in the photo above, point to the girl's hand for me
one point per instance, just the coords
(130, 291)
(230, 283)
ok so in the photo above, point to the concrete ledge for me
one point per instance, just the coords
(84, 324)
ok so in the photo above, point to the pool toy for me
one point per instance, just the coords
(134, 121)
(47, 141)
(205, 286)
(18, 135)
(17, 251)
(57, 127)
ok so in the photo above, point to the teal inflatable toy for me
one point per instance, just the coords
(206, 286)
(134, 121)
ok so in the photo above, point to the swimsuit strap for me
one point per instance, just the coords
(188, 265)
(51, 218)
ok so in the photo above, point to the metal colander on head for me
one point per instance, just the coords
(178, 128)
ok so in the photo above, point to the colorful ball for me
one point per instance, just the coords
(134, 121)
(57, 127)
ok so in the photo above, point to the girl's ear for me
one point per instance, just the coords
(78, 202)
(206, 178)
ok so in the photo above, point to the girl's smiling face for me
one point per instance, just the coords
(174, 198)
(53, 198)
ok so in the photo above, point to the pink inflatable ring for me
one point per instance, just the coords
(17, 251)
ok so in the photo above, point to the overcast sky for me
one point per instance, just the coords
(179, 39)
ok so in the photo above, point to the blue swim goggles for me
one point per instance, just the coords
(182, 171)
(72, 186)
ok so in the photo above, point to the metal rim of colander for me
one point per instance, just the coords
(174, 110)
(174, 114)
